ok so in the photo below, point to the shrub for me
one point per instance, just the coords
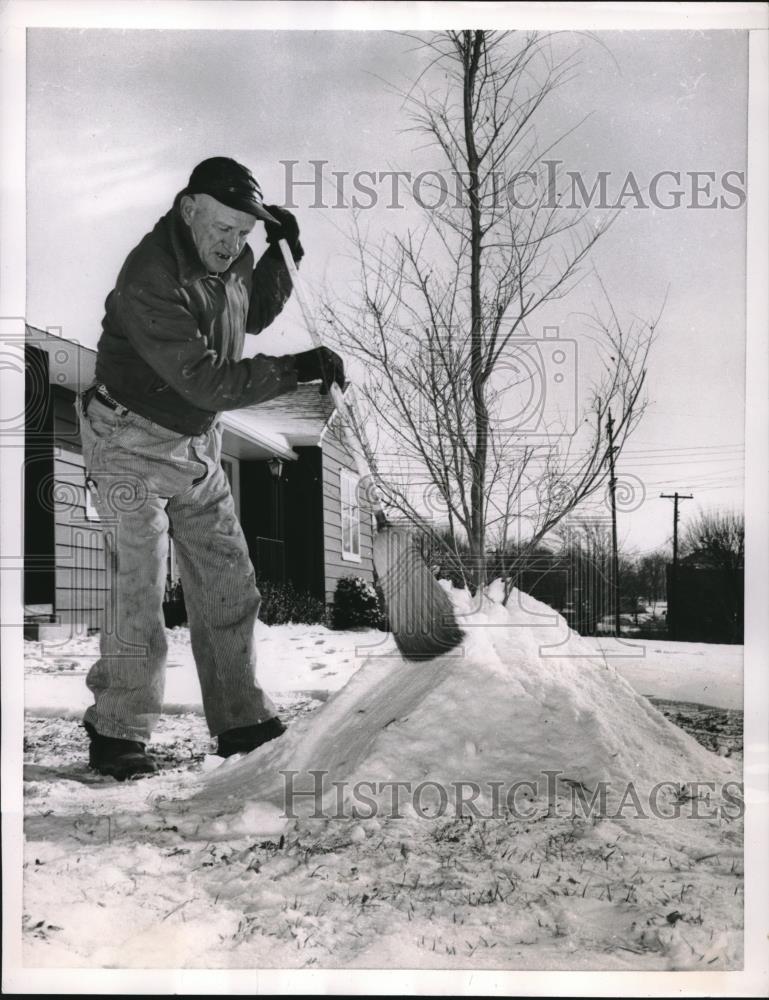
(282, 603)
(356, 605)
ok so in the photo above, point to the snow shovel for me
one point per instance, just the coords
(419, 610)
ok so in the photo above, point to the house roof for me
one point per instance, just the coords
(300, 416)
(275, 427)
(70, 364)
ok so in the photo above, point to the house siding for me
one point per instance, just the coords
(65, 567)
(80, 573)
(336, 457)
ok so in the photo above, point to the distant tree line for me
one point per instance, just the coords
(572, 573)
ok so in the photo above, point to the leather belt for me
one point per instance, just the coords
(101, 393)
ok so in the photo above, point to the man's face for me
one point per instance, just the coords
(218, 231)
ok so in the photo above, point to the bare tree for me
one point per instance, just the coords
(717, 537)
(651, 569)
(440, 316)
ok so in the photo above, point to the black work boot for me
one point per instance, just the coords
(248, 738)
(120, 759)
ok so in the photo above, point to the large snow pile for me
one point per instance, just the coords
(207, 871)
(522, 698)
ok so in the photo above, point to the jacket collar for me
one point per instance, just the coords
(190, 265)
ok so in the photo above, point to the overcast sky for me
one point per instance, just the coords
(117, 119)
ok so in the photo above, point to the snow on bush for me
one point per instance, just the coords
(356, 604)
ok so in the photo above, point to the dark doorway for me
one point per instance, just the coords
(282, 518)
(39, 572)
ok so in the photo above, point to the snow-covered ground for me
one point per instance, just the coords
(311, 659)
(293, 660)
(199, 867)
(700, 672)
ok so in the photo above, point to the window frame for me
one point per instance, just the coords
(349, 499)
(91, 510)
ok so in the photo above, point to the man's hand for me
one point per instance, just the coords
(320, 363)
(286, 228)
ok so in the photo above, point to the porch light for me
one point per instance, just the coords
(275, 465)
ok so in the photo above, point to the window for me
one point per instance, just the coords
(350, 516)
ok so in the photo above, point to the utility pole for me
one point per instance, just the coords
(614, 549)
(675, 497)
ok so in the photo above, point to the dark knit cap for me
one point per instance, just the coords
(230, 183)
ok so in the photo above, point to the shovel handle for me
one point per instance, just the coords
(354, 435)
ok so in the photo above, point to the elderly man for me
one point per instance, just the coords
(169, 360)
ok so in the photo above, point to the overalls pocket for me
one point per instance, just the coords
(98, 425)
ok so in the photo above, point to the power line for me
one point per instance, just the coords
(677, 460)
(684, 448)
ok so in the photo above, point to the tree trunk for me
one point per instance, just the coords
(473, 48)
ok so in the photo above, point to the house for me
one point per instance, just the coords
(294, 482)
(706, 600)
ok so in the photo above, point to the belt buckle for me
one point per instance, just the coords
(103, 393)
